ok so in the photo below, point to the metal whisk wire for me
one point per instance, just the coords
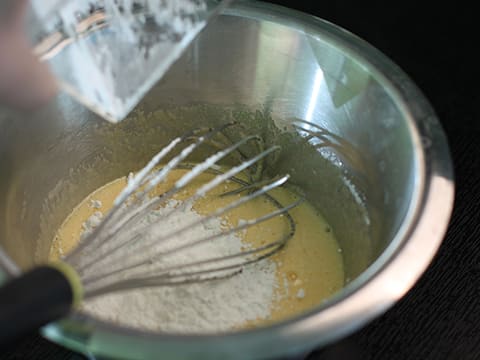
(134, 203)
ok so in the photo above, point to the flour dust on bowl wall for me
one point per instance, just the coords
(363, 151)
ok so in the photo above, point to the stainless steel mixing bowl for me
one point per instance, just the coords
(381, 175)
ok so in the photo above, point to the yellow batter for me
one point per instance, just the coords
(309, 268)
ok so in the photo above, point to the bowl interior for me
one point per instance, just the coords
(346, 140)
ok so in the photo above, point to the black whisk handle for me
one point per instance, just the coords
(31, 300)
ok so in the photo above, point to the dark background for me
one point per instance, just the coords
(434, 42)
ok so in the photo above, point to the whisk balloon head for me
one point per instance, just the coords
(126, 251)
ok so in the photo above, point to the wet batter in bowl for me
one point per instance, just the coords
(305, 273)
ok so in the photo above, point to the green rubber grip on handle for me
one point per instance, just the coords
(32, 300)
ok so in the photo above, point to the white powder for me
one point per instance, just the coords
(213, 306)
(96, 204)
(300, 294)
(92, 222)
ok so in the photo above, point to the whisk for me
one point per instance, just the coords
(99, 264)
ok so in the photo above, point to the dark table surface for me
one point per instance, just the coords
(440, 317)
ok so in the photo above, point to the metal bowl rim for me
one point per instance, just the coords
(342, 314)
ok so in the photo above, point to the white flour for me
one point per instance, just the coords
(213, 306)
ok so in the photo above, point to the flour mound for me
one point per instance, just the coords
(215, 306)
